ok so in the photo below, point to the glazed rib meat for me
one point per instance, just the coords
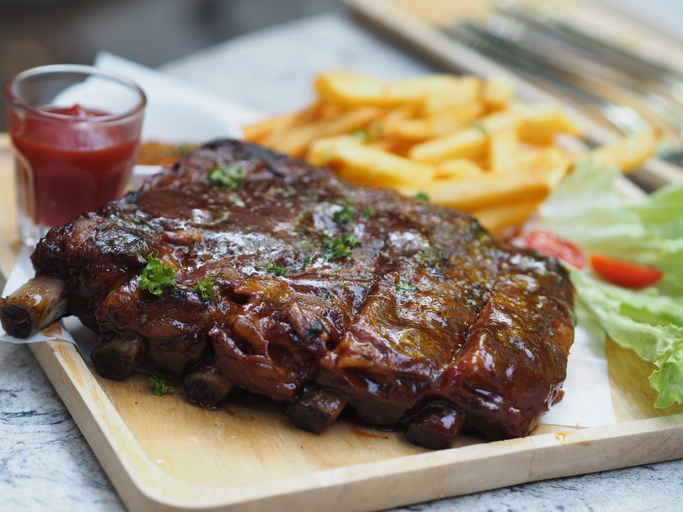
(318, 293)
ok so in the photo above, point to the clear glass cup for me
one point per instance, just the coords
(75, 132)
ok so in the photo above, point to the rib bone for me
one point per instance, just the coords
(206, 385)
(436, 426)
(33, 307)
(315, 409)
(116, 357)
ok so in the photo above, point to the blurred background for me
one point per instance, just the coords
(151, 32)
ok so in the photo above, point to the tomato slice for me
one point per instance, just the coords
(550, 244)
(623, 273)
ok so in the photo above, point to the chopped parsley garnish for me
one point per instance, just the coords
(156, 276)
(143, 319)
(340, 246)
(363, 134)
(276, 269)
(422, 196)
(230, 176)
(345, 215)
(402, 286)
(479, 126)
(184, 150)
(159, 387)
(204, 287)
(369, 211)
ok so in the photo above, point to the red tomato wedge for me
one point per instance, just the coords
(550, 244)
(623, 273)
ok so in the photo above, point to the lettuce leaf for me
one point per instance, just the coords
(646, 322)
(587, 209)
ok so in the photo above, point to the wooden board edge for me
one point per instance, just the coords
(370, 486)
(136, 479)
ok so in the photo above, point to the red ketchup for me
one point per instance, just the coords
(71, 164)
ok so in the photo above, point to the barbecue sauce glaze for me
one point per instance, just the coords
(421, 319)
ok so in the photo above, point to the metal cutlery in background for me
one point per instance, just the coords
(577, 79)
(623, 117)
(550, 21)
(548, 49)
(511, 44)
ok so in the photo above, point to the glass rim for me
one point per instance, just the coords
(75, 69)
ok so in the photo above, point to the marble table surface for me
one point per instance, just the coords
(46, 464)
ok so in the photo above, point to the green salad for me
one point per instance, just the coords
(586, 209)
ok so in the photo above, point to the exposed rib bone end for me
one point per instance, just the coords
(205, 385)
(116, 358)
(436, 426)
(33, 307)
(316, 409)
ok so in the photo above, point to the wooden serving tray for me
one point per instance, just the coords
(162, 453)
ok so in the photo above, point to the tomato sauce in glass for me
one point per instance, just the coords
(70, 165)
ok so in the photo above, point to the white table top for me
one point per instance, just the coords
(45, 464)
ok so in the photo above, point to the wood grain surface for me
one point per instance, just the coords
(162, 453)
(9, 234)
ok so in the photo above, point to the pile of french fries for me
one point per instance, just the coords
(458, 140)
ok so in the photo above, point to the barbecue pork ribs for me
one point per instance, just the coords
(243, 267)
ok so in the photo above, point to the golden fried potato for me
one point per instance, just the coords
(487, 189)
(459, 92)
(504, 151)
(257, 132)
(457, 168)
(438, 124)
(296, 139)
(630, 152)
(464, 143)
(497, 94)
(365, 164)
(551, 163)
(350, 90)
(540, 123)
(499, 217)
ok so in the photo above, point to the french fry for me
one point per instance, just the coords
(259, 131)
(464, 143)
(500, 217)
(460, 92)
(551, 163)
(504, 151)
(406, 111)
(296, 140)
(487, 189)
(352, 90)
(393, 144)
(369, 165)
(458, 168)
(312, 112)
(438, 124)
(499, 121)
(497, 94)
(629, 153)
(539, 124)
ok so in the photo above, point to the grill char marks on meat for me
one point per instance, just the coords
(323, 295)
